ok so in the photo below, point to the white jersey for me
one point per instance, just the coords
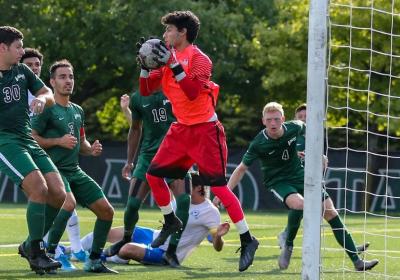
(203, 217)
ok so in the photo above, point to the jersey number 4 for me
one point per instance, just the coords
(11, 93)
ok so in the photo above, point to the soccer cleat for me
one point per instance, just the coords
(80, 256)
(166, 231)
(97, 266)
(362, 248)
(282, 239)
(22, 251)
(66, 265)
(114, 248)
(171, 260)
(284, 258)
(361, 265)
(247, 252)
(41, 263)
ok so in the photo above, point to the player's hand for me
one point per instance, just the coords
(124, 102)
(138, 60)
(68, 141)
(96, 148)
(223, 229)
(163, 54)
(127, 171)
(37, 105)
(217, 202)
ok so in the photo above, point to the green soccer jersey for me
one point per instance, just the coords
(301, 143)
(155, 112)
(55, 122)
(14, 85)
(278, 157)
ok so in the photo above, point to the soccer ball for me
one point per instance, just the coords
(146, 55)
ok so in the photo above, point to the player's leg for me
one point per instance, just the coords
(58, 227)
(73, 231)
(171, 161)
(138, 192)
(89, 194)
(210, 153)
(181, 190)
(288, 194)
(344, 238)
(17, 163)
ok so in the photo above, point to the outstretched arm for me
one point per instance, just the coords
(218, 241)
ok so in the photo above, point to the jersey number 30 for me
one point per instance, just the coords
(11, 93)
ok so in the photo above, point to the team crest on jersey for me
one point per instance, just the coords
(165, 101)
(19, 76)
(77, 116)
(195, 214)
(185, 61)
(291, 140)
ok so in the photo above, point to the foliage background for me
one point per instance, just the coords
(258, 48)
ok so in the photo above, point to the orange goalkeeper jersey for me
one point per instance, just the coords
(197, 66)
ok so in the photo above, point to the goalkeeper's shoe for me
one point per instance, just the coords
(166, 231)
(285, 256)
(247, 252)
(361, 265)
(362, 248)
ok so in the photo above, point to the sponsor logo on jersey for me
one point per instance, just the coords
(165, 101)
(145, 105)
(270, 153)
(291, 140)
(77, 116)
(19, 76)
(195, 214)
(185, 61)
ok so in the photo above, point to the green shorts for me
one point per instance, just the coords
(82, 186)
(18, 160)
(282, 190)
(142, 165)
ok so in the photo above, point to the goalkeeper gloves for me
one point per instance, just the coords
(162, 53)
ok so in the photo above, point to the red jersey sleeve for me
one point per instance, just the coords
(151, 83)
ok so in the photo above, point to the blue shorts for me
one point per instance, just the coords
(144, 235)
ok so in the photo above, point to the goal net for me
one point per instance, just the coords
(363, 134)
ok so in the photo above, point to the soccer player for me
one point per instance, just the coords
(197, 136)
(21, 158)
(275, 147)
(151, 117)
(204, 218)
(33, 58)
(60, 131)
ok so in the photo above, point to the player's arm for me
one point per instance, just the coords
(134, 135)
(124, 103)
(67, 141)
(44, 97)
(200, 73)
(88, 149)
(217, 235)
(237, 175)
(149, 81)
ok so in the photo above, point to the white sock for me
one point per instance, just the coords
(116, 259)
(74, 233)
(242, 226)
(166, 209)
(86, 241)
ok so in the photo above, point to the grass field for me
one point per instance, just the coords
(205, 263)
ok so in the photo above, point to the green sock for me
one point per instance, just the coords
(344, 238)
(35, 215)
(57, 229)
(182, 212)
(131, 216)
(51, 214)
(100, 232)
(294, 220)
